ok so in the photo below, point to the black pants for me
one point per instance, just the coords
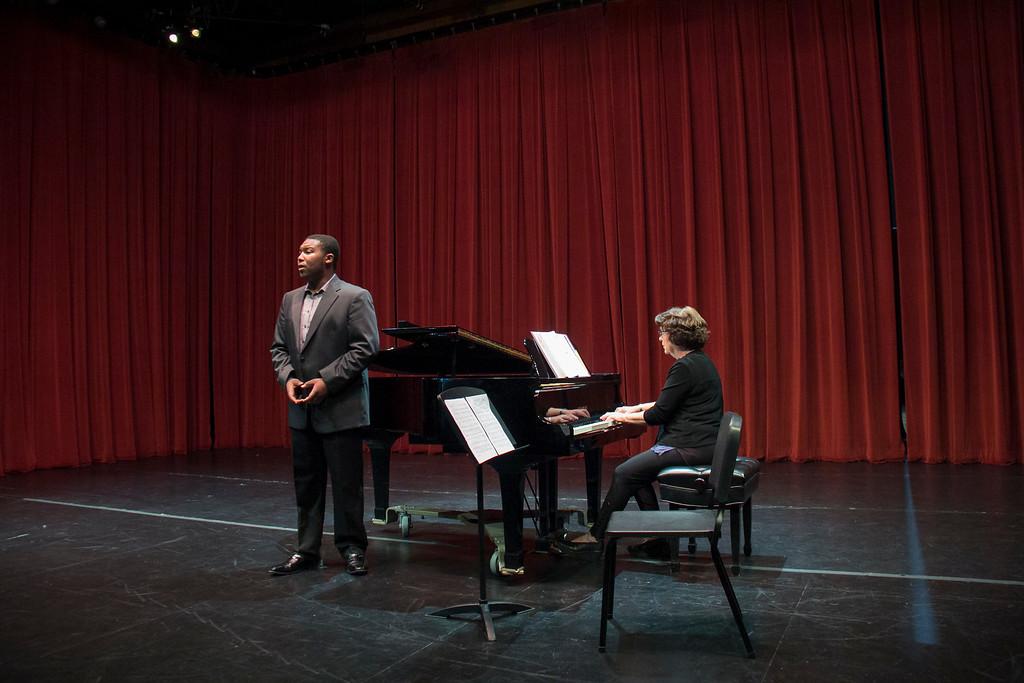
(313, 457)
(636, 476)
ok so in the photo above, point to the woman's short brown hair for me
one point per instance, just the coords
(685, 327)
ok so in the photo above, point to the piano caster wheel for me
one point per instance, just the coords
(405, 523)
(498, 568)
(495, 563)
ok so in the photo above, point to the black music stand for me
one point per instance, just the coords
(482, 606)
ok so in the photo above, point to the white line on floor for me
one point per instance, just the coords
(779, 570)
(280, 481)
(841, 572)
(885, 575)
(206, 520)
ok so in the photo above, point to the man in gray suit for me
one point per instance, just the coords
(325, 336)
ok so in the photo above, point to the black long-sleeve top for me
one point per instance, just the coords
(689, 408)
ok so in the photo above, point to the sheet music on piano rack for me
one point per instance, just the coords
(560, 354)
(484, 435)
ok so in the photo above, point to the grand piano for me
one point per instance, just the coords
(404, 401)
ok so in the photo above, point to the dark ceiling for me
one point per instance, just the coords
(266, 38)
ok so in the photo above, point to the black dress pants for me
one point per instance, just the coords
(314, 456)
(636, 476)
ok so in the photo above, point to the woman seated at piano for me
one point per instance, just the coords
(688, 411)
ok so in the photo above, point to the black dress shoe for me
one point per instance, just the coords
(356, 562)
(295, 563)
(653, 549)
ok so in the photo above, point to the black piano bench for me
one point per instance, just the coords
(686, 486)
(665, 524)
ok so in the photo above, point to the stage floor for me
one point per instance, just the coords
(158, 570)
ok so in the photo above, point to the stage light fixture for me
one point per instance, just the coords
(173, 37)
(196, 32)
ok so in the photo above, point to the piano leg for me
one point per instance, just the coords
(547, 493)
(380, 458)
(592, 466)
(511, 480)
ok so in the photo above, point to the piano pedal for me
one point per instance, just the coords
(564, 518)
(563, 535)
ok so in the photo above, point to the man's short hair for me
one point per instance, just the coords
(685, 327)
(330, 246)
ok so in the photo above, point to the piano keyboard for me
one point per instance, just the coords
(589, 425)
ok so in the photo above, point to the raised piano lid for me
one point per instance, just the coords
(449, 350)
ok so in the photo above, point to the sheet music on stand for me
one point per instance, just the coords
(560, 354)
(484, 434)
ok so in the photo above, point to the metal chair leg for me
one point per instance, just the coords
(611, 548)
(734, 537)
(730, 595)
(748, 507)
(607, 591)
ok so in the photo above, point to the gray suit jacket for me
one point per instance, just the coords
(342, 340)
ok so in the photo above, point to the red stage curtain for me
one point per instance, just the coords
(956, 89)
(581, 171)
(104, 252)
